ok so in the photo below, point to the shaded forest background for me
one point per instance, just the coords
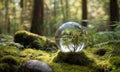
(46, 16)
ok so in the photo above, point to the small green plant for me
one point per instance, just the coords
(117, 26)
(38, 44)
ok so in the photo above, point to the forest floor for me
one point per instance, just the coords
(102, 56)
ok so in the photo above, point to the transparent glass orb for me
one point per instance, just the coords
(70, 37)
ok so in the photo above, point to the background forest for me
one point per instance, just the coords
(29, 30)
(17, 14)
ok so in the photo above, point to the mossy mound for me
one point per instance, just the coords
(34, 41)
(77, 58)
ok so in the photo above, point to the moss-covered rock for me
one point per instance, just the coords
(34, 41)
(77, 58)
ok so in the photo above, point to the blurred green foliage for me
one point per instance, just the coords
(56, 12)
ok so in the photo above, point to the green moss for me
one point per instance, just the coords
(10, 60)
(102, 68)
(30, 53)
(34, 41)
(59, 61)
(116, 51)
(116, 70)
(4, 67)
(8, 50)
(77, 58)
(64, 67)
(115, 61)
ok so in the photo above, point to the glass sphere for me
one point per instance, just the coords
(70, 37)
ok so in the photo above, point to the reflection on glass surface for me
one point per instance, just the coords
(70, 37)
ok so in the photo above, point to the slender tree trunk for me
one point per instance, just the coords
(114, 13)
(1, 21)
(55, 16)
(62, 9)
(22, 15)
(55, 8)
(14, 18)
(7, 22)
(84, 13)
(37, 19)
(67, 10)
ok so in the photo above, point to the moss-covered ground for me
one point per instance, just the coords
(12, 56)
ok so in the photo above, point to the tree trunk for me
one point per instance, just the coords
(114, 13)
(63, 11)
(84, 13)
(22, 14)
(67, 10)
(7, 22)
(37, 19)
